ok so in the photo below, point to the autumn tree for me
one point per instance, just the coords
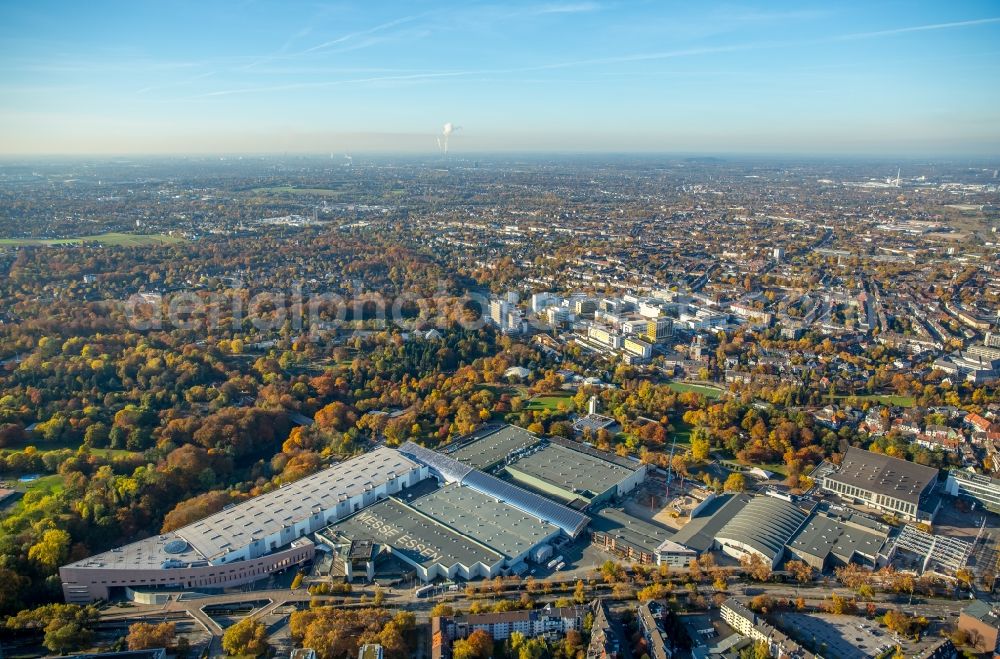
(198, 507)
(147, 636)
(852, 575)
(700, 446)
(801, 570)
(442, 609)
(66, 627)
(50, 552)
(904, 624)
(735, 482)
(246, 637)
(840, 605)
(479, 645)
(755, 566)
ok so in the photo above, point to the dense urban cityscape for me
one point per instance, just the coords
(534, 329)
(633, 405)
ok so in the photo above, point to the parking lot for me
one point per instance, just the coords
(842, 637)
(956, 519)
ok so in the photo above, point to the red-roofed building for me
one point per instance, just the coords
(979, 423)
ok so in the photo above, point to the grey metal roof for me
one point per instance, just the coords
(447, 468)
(234, 527)
(766, 524)
(699, 533)
(643, 535)
(507, 529)
(882, 474)
(565, 518)
(571, 470)
(828, 534)
(493, 448)
(415, 535)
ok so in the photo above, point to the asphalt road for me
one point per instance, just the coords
(282, 601)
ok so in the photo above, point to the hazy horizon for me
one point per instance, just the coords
(858, 79)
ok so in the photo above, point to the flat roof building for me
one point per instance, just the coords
(449, 470)
(982, 621)
(570, 475)
(502, 527)
(626, 536)
(431, 548)
(834, 538)
(247, 541)
(488, 450)
(883, 483)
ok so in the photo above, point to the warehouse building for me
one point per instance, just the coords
(575, 477)
(763, 527)
(567, 471)
(700, 531)
(886, 484)
(627, 537)
(500, 526)
(430, 547)
(247, 541)
(832, 538)
(451, 531)
(486, 449)
(449, 470)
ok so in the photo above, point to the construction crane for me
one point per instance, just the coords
(670, 464)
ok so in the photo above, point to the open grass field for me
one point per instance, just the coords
(682, 431)
(707, 392)
(46, 484)
(47, 448)
(117, 239)
(501, 389)
(885, 399)
(549, 402)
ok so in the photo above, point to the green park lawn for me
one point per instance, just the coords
(47, 448)
(47, 484)
(549, 402)
(707, 392)
(117, 239)
(884, 399)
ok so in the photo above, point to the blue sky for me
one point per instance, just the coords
(892, 78)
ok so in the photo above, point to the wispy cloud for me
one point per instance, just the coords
(334, 83)
(569, 8)
(360, 33)
(760, 45)
(365, 38)
(917, 28)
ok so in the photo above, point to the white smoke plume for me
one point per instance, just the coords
(446, 132)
